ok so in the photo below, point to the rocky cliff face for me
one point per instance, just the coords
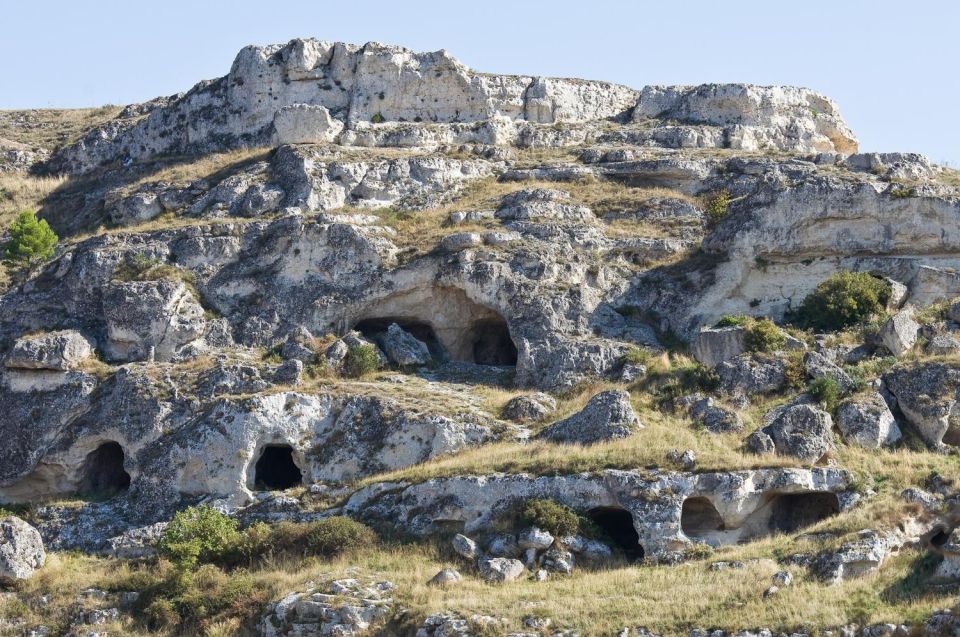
(362, 280)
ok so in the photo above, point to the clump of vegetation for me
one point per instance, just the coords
(760, 335)
(763, 335)
(140, 267)
(717, 206)
(902, 192)
(826, 391)
(360, 360)
(31, 239)
(196, 535)
(844, 299)
(551, 516)
(329, 537)
(378, 118)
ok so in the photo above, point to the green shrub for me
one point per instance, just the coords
(339, 534)
(763, 335)
(198, 534)
(378, 118)
(717, 206)
(551, 516)
(161, 614)
(31, 240)
(825, 391)
(844, 299)
(736, 320)
(795, 372)
(360, 360)
(636, 356)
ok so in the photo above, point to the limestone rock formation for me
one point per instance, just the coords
(802, 431)
(867, 422)
(608, 415)
(21, 550)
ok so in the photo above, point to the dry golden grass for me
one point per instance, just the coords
(19, 192)
(189, 169)
(670, 599)
(49, 127)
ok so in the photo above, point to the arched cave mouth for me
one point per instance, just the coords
(791, 512)
(275, 470)
(617, 524)
(453, 326)
(375, 329)
(102, 474)
(699, 518)
(492, 344)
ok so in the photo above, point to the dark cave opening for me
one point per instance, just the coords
(699, 517)
(103, 474)
(790, 512)
(275, 469)
(617, 524)
(374, 329)
(492, 344)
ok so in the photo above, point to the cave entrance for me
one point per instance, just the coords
(452, 325)
(952, 437)
(375, 329)
(276, 470)
(617, 524)
(790, 512)
(102, 474)
(492, 344)
(699, 518)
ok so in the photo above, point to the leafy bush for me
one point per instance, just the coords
(795, 372)
(551, 516)
(736, 320)
(825, 391)
(161, 614)
(339, 534)
(31, 240)
(332, 536)
(198, 534)
(636, 356)
(717, 205)
(360, 360)
(844, 299)
(763, 335)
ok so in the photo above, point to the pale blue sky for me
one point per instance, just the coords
(891, 66)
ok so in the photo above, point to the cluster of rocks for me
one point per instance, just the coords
(509, 556)
(344, 607)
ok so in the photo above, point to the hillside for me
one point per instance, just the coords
(356, 340)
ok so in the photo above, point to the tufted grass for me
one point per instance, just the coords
(51, 128)
(669, 599)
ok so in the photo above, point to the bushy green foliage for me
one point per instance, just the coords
(636, 356)
(734, 320)
(360, 360)
(825, 391)
(551, 516)
(844, 299)
(31, 240)
(198, 534)
(717, 206)
(763, 335)
(331, 536)
(339, 534)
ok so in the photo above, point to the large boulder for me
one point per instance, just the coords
(150, 320)
(501, 569)
(751, 374)
(856, 558)
(927, 394)
(705, 412)
(802, 431)
(713, 345)
(403, 348)
(533, 408)
(866, 421)
(899, 333)
(21, 550)
(58, 351)
(819, 366)
(608, 415)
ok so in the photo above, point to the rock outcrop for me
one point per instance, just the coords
(21, 550)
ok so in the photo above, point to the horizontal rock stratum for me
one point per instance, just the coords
(312, 91)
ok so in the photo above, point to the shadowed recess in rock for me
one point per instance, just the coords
(618, 525)
(790, 512)
(275, 469)
(492, 344)
(103, 474)
(699, 518)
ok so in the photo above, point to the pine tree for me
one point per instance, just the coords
(31, 240)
